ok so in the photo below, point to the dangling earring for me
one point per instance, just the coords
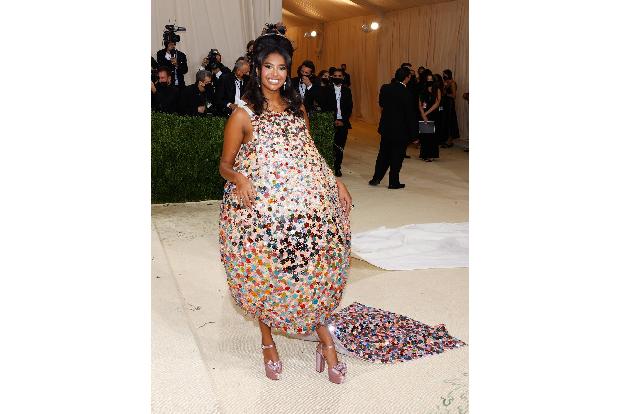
(284, 85)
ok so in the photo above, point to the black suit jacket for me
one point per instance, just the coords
(181, 69)
(165, 99)
(191, 98)
(225, 92)
(311, 95)
(346, 79)
(328, 102)
(397, 121)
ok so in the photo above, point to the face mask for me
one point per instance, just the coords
(337, 81)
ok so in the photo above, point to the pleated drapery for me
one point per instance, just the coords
(226, 25)
(434, 36)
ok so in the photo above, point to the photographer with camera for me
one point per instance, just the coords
(215, 56)
(164, 95)
(198, 99)
(175, 60)
(306, 84)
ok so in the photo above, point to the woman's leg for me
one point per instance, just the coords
(326, 339)
(266, 339)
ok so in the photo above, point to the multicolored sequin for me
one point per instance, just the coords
(381, 336)
(287, 258)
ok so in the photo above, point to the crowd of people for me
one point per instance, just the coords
(418, 106)
(218, 90)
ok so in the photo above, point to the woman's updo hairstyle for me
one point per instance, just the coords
(272, 40)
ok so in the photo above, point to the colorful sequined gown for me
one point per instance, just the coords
(287, 258)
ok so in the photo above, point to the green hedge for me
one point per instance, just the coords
(185, 155)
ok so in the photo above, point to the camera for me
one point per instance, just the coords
(170, 33)
(212, 54)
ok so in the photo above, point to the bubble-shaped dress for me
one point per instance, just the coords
(287, 258)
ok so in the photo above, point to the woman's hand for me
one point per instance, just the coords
(244, 191)
(425, 118)
(344, 197)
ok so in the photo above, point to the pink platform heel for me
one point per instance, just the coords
(272, 369)
(336, 374)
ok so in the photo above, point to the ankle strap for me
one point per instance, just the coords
(267, 346)
(321, 345)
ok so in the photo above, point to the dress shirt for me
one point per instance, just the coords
(168, 56)
(337, 92)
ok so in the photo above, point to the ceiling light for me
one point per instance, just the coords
(313, 33)
(374, 25)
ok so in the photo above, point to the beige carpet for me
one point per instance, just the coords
(206, 355)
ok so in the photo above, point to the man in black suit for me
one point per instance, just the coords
(306, 84)
(346, 77)
(231, 87)
(336, 98)
(164, 95)
(175, 60)
(198, 99)
(413, 90)
(397, 126)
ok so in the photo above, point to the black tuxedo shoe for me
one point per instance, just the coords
(396, 187)
(338, 173)
(373, 182)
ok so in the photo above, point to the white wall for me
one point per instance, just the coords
(223, 24)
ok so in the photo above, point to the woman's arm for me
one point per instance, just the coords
(344, 196)
(305, 118)
(421, 110)
(436, 104)
(453, 90)
(237, 127)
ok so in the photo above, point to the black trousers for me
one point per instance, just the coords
(391, 154)
(340, 138)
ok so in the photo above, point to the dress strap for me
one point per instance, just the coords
(243, 105)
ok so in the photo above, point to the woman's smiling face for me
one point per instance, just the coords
(273, 71)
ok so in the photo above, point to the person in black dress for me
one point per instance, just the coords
(428, 104)
(450, 113)
(441, 121)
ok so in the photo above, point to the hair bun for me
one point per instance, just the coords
(274, 28)
(273, 35)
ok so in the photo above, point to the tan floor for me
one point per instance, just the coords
(205, 353)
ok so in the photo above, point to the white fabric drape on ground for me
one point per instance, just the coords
(415, 246)
(226, 25)
(434, 36)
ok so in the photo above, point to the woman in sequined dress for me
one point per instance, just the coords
(284, 220)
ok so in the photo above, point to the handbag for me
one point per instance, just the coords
(426, 127)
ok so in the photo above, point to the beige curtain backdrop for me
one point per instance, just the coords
(434, 36)
(226, 25)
